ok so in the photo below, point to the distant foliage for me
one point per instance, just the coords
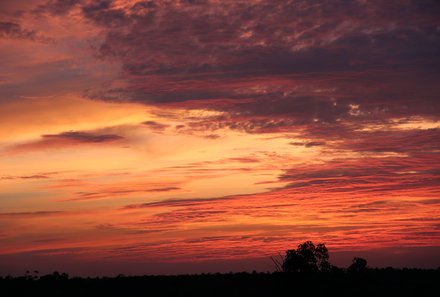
(357, 265)
(357, 280)
(306, 258)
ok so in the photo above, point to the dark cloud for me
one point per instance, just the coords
(368, 175)
(242, 160)
(176, 202)
(430, 201)
(15, 31)
(325, 68)
(412, 141)
(65, 139)
(308, 144)
(78, 136)
(33, 213)
(58, 7)
(104, 14)
(35, 176)
(118, 192)
(212, 136)
(155, 125)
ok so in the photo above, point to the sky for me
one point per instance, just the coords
(186, 136)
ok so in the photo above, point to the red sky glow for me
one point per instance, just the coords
(177, 136)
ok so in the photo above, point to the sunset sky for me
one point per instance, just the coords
(176, 136)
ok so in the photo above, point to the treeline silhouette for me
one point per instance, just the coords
(304, 271)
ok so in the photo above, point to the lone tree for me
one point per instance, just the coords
(306, 258)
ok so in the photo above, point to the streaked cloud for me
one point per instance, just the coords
(217, 130)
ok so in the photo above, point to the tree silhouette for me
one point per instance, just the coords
(306, 258)
(358, 264)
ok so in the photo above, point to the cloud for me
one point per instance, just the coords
(86, 137)
(351, 86)
(270, 54)
(15, 31)
(175, 202)
(317, 68)
(30, 214)
(123, 190)
(57, 7)
(392, 175)
(104, 14)
(411, 141)
(66, 139)
(212, 136)
(308, 144)
(153, 125)
(430, 201)
(36, 176)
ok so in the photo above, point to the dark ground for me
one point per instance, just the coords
(372, 282)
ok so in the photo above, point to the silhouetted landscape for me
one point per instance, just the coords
(192, 147)
(305, 270)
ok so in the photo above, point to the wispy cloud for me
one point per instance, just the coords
(31, 214)
(65, 139)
